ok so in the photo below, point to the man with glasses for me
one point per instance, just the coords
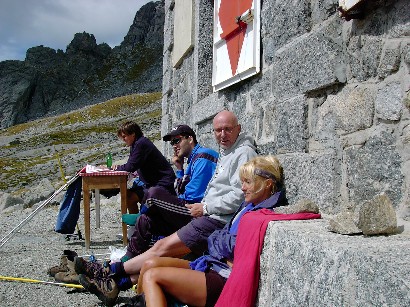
(222, 198)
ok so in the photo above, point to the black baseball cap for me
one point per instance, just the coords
(179, 130)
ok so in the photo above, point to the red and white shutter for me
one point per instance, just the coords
(236, 45)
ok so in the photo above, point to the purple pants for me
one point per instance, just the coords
(166, 214)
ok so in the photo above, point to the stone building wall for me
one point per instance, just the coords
(332, 99)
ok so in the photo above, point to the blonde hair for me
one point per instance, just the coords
(262, 168)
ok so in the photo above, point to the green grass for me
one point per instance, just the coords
(99, 121)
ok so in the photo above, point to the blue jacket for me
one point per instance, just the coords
(221, 243)
(192, 183)
(152, 167)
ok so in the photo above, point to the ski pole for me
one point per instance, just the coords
(6, 278)
(30, 216)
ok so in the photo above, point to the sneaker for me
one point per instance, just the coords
(105, 288)
(90, 269)
(66, 260)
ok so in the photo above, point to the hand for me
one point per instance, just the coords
(178, 162)
(196, 210)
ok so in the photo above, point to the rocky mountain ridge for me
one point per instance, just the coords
(50, 82)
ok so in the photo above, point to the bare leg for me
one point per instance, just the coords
(160, 262)
(170, 246)
(186, 285)
(132, 202)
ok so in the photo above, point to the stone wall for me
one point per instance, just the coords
(332, 100)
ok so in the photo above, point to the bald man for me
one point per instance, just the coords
(222, 198)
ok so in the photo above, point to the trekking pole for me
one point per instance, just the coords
(41, 282)
(32, 214)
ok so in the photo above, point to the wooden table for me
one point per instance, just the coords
(103, 180)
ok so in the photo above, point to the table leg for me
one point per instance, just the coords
(86, 199)
(123, 192)
(97, 208)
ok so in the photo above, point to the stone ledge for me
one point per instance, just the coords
(302, 264)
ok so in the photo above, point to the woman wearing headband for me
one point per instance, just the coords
(200, 282)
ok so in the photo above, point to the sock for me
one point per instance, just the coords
(117, 268)
(120, 276)
(125, 258)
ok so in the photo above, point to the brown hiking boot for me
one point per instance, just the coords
(104, 287)
(65, 259)
(69, 277)
(91, 269)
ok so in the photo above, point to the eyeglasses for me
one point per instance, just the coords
(227, 130)
(175, 141)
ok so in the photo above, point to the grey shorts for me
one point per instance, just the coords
(195, 234)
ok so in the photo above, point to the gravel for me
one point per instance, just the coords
(36, 247)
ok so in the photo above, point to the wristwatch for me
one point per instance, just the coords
(204, 210)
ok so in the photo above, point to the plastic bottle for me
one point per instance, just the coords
(109, 160)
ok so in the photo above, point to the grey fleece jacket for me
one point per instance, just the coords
(223, 195)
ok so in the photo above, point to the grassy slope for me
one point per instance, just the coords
(32, 151)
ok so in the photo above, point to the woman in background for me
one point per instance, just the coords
(145, 158)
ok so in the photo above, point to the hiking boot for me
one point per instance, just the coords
(65, 260)
(69, 277)
(105, 288)
(90, 269)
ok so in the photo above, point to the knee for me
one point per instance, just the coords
(160, 247)
(150, 277)
(150, 263)
(153, 192)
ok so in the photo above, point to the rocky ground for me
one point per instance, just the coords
(36, 247)
(31, 173)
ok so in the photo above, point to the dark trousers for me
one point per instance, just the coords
(166, 214)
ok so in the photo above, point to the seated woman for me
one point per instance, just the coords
(146, 159)
(200, 282)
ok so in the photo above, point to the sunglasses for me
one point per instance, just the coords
(175, 141)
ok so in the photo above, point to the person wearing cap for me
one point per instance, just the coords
(166, 213)
(222, 198)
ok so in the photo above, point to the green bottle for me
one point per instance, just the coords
(109, 160)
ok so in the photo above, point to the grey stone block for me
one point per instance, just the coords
(389, 102)
(292, 19)
(303, 205)
(350, 110)
(291, 130)
(376, 216)
(374, 168)
(42, 191)
(304, 265)
(365, 52)
(312, 176)
(292, 74)
(7, 201)
(343, 223)
(208, 107)
(390, 60)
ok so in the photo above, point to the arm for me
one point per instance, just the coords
(137, 157)
(201, 172)
(221, 244)
(228, 202)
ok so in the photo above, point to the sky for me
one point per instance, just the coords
(53, 23)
